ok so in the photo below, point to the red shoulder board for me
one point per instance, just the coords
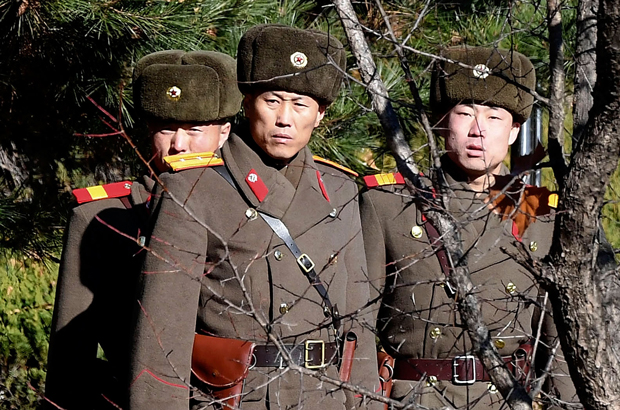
(189, 161)
(94, 193)
(384, 179)
(335, 165)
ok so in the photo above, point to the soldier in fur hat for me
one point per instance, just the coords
(480, 97)
(185, 99)
(266, 279)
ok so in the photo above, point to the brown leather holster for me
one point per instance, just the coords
(386, 373)
(348, 354)
(222, 364)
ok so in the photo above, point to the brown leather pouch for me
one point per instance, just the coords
(222, 364)
(386, 372)
(522, 360)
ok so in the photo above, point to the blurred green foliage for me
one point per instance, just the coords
(26, 301)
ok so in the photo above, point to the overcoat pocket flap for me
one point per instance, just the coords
(220, 362)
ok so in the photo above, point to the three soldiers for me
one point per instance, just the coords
(480, 108)
(102, 255)
(256, 258)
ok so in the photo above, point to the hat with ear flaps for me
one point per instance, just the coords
(275, 57)
(195, 86)
(489, 79)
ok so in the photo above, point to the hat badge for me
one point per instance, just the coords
(299, 59)
(481, 71)
(174, 92)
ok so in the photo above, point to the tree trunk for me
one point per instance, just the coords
(585, 65)
(586, 298)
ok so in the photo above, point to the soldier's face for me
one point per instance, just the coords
(477, 137)
(171, 138)
(281, 122)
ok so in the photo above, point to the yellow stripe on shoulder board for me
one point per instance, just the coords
(316, 158)
(553, 200)
(197, 160)
(97, 192)
(386, 179)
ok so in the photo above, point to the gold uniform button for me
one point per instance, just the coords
(431, 381)
(278, 255)
(533, 246)
(251, 214)
(492, 388)
(283, 308)
(511, 288)
(499, 343)
(416, 231)
(435, 333)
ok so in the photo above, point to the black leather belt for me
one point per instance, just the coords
(312, 354)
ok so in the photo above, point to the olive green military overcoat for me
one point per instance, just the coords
(418, 320)
(218, 268)
(101, 260)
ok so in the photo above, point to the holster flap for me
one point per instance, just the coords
(220, 362)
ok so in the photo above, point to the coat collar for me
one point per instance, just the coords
(469, 207)
(141, 190)
(271, 192)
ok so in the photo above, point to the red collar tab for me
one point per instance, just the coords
(257, 185)
(373, 181)
(515, 232)
(316, 158)
(323, 190)
(95, 193)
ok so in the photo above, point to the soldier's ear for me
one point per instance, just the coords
(514, 132)
(224, 133)
(319, 115)
(247, 102)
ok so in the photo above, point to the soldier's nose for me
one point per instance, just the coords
(180, 142)
(284, 115)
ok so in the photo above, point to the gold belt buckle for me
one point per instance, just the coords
(309, 345)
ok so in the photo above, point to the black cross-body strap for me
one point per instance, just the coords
(441, 254)
(306, 265)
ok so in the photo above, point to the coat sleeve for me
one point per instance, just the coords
(374, 247)
(558, 388)
(167, 302)
(73, 342)
(364, 371)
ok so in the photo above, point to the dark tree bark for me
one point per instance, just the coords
(585, 65)
(585, 296)
(557, 92)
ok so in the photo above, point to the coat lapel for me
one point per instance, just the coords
(309, 205)
(269, 191)
(299, 207)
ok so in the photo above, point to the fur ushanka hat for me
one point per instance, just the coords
(276, 57)
(486, 80)
(195, 86)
